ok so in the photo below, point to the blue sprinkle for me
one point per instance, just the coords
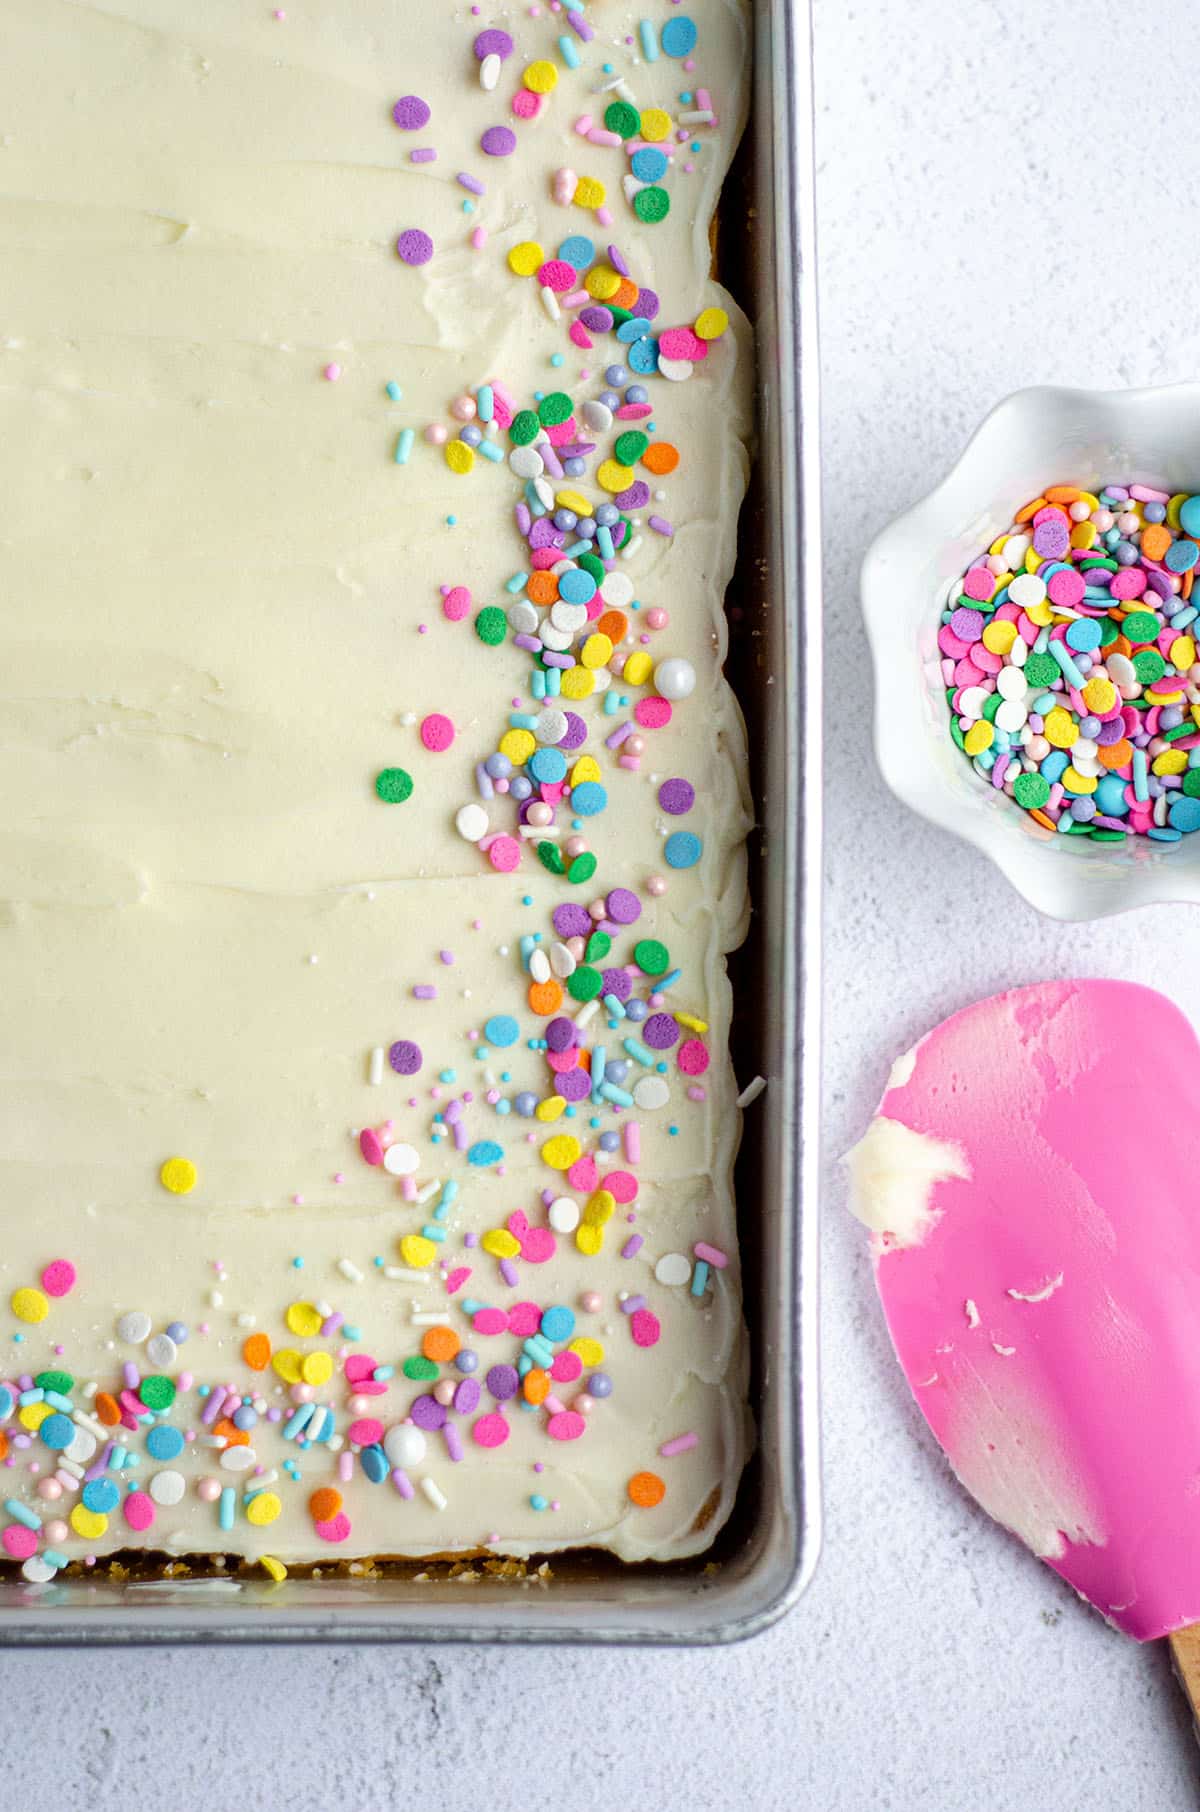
(502, 1030)
(679, 36)
(682, 849)
(485, 1151)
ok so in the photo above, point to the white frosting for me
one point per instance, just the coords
(893, 1172)
(213, 572)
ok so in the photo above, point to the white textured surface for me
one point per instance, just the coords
(1003, 200)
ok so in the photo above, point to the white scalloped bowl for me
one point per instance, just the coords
(1033, 438)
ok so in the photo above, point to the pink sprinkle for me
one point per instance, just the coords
(298, 1201)
(447, 957)
(333, 373)
(479, 238)
(681, 1444)
(712, 1255)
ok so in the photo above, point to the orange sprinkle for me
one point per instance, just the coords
(536, 1385)
(1115, 754)
(1030, 510)
(1156, 539)
(545, 998)
(1063, 493)
(233, 1436)
(440, 1344)
(3, 1445)
(107, 1408)
(660, 457)
(614, 624)
(541, 588)
(1042, 819)
(324, 1504)
(256, 1351)
(624, 296)
(645, 1490)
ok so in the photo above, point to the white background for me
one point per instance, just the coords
(1005, 197)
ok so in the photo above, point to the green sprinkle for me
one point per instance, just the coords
(157, 1393)
(393, 785)
(1031, 791)
(652, 204)
(491, 625)
(584, 983)
(550, 857)
(419, 1369)
(554, 409)
(629, 447)
(582, 868)
(651, 957)
(621, 118)
(524, 428)
(598, 947)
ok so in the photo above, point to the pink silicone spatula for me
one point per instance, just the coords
(1032, 1183)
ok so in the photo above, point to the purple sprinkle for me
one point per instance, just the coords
(403, 1483)
(630, 1249)
(405, 1057)
(580, 26)
(660, 525)
(428, 1413)
(502, 1381)
(572, 921)
(632, 1304)
(530, 643)
(446, 957)
(616, 259)
(617, 736)
(509, 1273)
(466, 1397)
(622, 906)
(424, 991)
(560, 1035)
(483, 782)
(411, 113)
(676, 797)
(576, 731)
(414, 246)
(660, 1032)
(648, 304)
(524, 519)
(471, 1239)
(597, 319)
(619, 983)
(550, 659)
(467, 181)
(573, 1085)
(453, 1443)
(493, 43)
(499, 141)
(635, 498)
(426, 155)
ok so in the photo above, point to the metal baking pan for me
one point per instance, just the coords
(765, 1555)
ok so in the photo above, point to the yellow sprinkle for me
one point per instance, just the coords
(589, 1350)
(1093, 503)
(1032, 562)
(417, 1251)
(526, 258)
(286, 1364)
(549, 1110)
(500, 1243)
(303, 1319)
(1084, 535)
(590, 194)
(1171, 761)
(710, 324)
(518, 745)
(1099, 695)
(561, 1152)
(274, 1567)
(1041, 613)
(1059, 729)
(601, 282)
(589, 1240)
(585, 769)
(1173, 508)
(262, 1509)
(656, 125)
(88, 1523)
(459, 457)
(316, 1368)
(1156, 696)
(979, 737)
(1183, 652)
(596, 651)
(637, 668)
(541, 77)
(577, 683)
(32, 1415)
(29, 1304)
(1077, 783)
(179, 1175)
(601, 1206)
(998, 637)
(699, 1026)
(611, 475)
(573, 500)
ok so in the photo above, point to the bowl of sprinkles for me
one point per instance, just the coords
(1037, 649)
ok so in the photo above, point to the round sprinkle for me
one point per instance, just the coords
(682, 849)
(414, 246)
(456, 603)
(491, 625)
(405, 1057)
(621, 906)
(525, 258)
(648, 164)
(501, 1030)
(676, 797)
(651, 956)
(541, 78)
(678, 39)
(437, 732)
(179, 1176)
(58, 1278)
(134, 1327)
(498, 141)
(621, 118)
(645, 1489)
(411, 113)
(493, 43)
(393, 785)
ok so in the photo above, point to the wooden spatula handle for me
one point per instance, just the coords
(1185, 1657)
